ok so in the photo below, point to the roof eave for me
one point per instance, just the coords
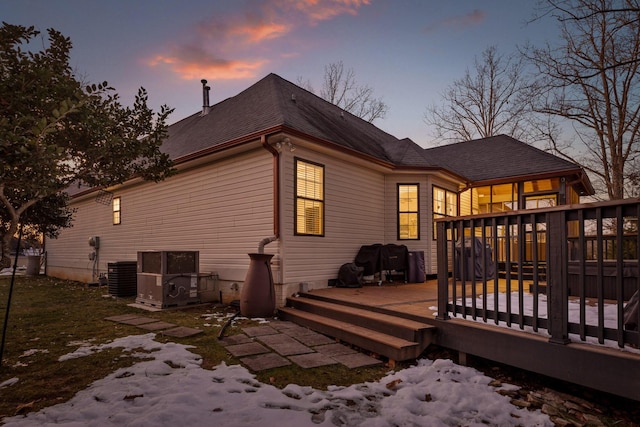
(581, 179)
(337, 147)
(277, 129)
(434, 169)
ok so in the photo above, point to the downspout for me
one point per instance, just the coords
(264, 242)
(276, 194)
(258, 298)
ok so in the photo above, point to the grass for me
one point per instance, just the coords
(50, 317)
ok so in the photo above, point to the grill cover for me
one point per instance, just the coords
(350, 276)
(377, 258)
(394, 257)
(368, 258)
(475, 267)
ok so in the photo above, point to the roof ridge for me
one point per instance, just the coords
(275, 81)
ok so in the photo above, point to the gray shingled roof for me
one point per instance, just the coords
(497, 157)
(274, 102)
(405, 152)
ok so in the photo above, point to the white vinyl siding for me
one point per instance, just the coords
(222, 210)
(225, 208)
(354, 216)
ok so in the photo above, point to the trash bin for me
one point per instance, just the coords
(33, 265)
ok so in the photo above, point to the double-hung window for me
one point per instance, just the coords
(408, 212)
(445, 203)
(309, 208)
(117, 212)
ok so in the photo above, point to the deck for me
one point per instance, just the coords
(414, 300)
(545, 290)
(591, 365)
(418, 301)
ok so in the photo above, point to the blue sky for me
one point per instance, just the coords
(408, 51)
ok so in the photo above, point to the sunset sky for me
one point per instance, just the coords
(407, 51)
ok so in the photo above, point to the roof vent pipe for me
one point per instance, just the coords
(205, 98)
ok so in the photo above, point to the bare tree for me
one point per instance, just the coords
(551, 7)
(490, 99)
(592, 80)
(634, 179)
(340, 87)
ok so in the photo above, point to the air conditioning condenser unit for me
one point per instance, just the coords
(168, 278)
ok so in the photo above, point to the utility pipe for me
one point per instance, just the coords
(276, 188)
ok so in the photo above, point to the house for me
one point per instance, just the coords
(276, 162)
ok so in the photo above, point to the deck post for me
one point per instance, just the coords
(557, 287)
(462, 359)
(443, 271)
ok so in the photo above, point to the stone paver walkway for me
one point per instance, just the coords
(278, 344)
(282, 343)
(155, 325)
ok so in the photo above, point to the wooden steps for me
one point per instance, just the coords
(390, 336)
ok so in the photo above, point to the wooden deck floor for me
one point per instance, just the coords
(417, 299)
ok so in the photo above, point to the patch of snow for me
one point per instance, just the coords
(9, 382)
(170, 388)
(591, 314)
(32, 351)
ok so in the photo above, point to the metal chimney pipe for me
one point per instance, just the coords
(205, 97)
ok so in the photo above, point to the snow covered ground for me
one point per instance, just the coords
(609, 315)
(172, 389)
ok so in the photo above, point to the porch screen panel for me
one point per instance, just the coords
(408, 212)
(309, 198)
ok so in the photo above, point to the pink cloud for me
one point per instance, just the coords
(232, 47)
(250, 28)
(195, 64)
(254, 34)
(318, 10)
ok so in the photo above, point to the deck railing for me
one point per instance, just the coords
(578, 275)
